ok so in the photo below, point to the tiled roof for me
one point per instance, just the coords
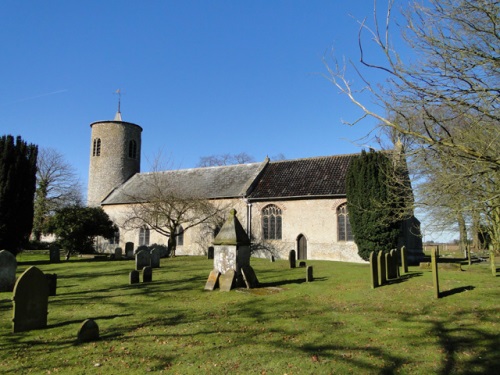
(212, 183)
(319, 176)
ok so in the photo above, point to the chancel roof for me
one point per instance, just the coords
(209, 183)
(318, 177)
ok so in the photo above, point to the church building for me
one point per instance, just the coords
(283, 205)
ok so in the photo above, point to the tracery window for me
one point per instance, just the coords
(271, 222)
(132, 149)
(144, 236)
(344, 226)
(96, 151)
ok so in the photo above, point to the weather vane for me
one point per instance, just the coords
(119, 93)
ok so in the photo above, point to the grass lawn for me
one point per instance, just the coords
(335, 324)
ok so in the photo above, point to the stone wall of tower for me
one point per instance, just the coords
(111, 163)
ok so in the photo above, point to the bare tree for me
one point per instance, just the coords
(225, 159)
(446, 100)
(57, 186)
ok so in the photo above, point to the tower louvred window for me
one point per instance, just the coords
(96, 151)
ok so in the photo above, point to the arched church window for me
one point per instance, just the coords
(144, 236)
(96, 151)
(271, 222)
(179, 234)
(344, 226)
(132, 149)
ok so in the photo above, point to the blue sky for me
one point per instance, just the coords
(200, 77)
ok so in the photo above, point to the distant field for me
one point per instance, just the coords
(336, 324)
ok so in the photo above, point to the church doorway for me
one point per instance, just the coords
(301, 247)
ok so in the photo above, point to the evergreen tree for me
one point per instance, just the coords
(17, 190)
(375, 203)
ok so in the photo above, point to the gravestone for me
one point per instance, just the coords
(129, 249)
(155, 258)
(292, 259)
(373, 270)
(227, 280)
(52, 283)
(272, 259)
(249, 277)
(434, 266)
(142, 259)
(404, 260)
(31, 300)
(213, 280)
(54, 253)
(8, 266)
(302, 264)
(381, 268)
(309, 274)
(387, 261)
(134, 277)
(89, 331)
(118, 253)
(147, 274)
(210, 254)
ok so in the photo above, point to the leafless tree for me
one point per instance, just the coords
(225, 159)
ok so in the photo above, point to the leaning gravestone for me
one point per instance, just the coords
(249, 277)
(155, 258)
(292, 259)
(213, 280)
(129, 249)
(142, 259)
(134, 277)
(54, 253)
(227, 280)
(89, 331)
(147, 274)
(8, 266)
(31, 300)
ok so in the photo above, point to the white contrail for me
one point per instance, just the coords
(37, 96)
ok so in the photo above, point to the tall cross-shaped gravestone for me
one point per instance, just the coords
(231, 257)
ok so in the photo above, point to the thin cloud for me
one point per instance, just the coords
(37, 96)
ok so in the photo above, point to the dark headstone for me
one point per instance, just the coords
(134, 277)
(434, 266)
(142, 259)
(272, 259)
(155, 258)
(373, 270)
(213, 280)
(147, 274)
(89, 331)
(118, 253)
(249, 277)
(226, 281)
(292, 259)
(8, 266)
(52, 283)
(309, 274)
(381, 268)
(129, 249)
(31, 300)
(54, 253)
(210, 254)
(302, 264)
(404, 260)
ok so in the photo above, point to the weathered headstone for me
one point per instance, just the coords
(118, 253)
(381, 268)
(213, 280)
(142, 259)
(226, 281)
(54, 253)
(89, 331)
(272, 259)
(309, 274)
(302, 264)
(8, 266)
(404, 260)
(387, 261)
(373, 270)
(210, 254)
(129, 249)
(434, 266)
(155, 258)
(292, 259)
(31, 300)
(249, 277)
(393, 273)
(147, 274)
(134, 277)
(52, 283)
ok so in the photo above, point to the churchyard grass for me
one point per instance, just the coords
(335, 324)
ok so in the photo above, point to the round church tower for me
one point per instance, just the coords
(115, 155)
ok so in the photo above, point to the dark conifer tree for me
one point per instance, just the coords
(17, 190)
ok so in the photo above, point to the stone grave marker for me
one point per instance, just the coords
(155, 258)
(31, 300)
(404, 260)
(387, 261)
(435, 276)
(142, 259)
(129, 249)
(381, 268)
(250, 277)
(373, 270)
(54, 253)
(213, 280)
(292, 259)
(52, 283)
(272, 259)
(147, 274)
(302, 264)
(309, 274)
(8, 266)
(134, 277)
(210, 254)
(226, 281)
(118, 253)
(89, 331)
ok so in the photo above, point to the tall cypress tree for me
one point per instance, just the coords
(373, 203)
(17, 190)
